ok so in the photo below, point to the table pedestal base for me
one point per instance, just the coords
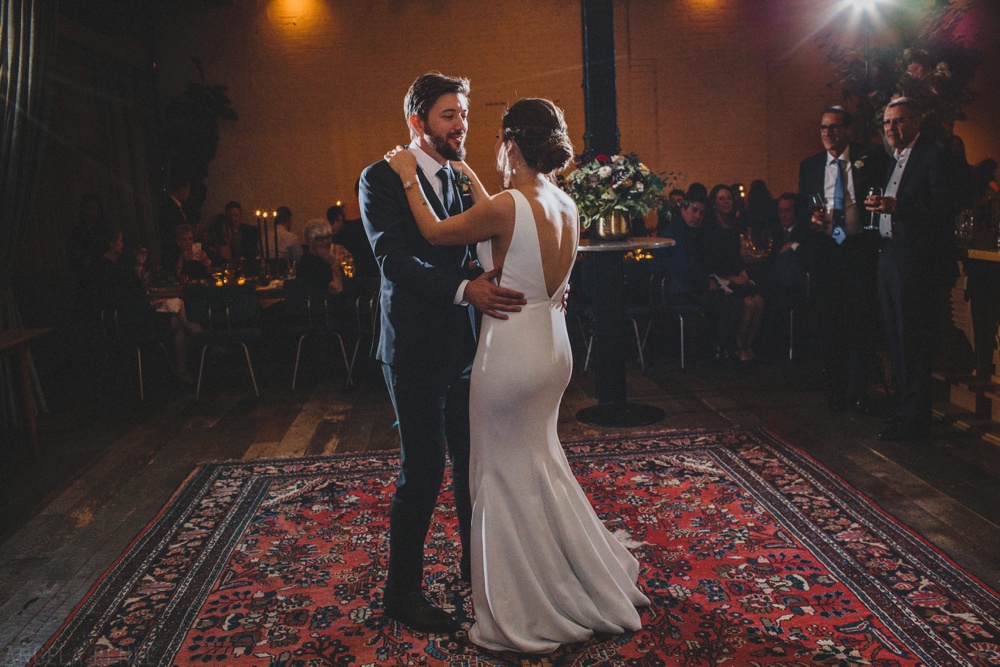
(620, 414)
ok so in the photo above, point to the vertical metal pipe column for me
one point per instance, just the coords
(602, 136)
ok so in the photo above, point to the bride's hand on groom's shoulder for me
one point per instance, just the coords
(402, 161)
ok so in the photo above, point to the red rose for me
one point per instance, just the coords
(603, 159)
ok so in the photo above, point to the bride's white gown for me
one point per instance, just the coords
(545, 569)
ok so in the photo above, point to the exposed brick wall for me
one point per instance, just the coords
(319, 85)
(723, 90)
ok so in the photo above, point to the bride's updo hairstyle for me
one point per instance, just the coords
(538, 129)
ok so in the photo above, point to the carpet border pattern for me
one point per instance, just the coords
(760, 460)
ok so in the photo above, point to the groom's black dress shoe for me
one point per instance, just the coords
(412, 609)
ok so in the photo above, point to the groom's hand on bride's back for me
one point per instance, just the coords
(490, 299)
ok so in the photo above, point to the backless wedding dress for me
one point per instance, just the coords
(545, 569)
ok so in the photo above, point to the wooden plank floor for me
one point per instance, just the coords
(110, 463)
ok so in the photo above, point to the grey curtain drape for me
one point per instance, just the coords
(27, 48)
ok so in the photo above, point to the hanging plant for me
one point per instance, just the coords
(190, 134)
(931, 63)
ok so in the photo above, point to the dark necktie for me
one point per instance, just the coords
(448, 197)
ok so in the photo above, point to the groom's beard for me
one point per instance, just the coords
(439, 142)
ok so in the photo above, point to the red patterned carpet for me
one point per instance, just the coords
(752, 554)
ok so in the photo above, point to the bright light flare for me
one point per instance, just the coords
(864, 5)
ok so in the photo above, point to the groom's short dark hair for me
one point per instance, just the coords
(426, 90)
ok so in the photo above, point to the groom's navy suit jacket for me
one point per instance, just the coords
(421, 328)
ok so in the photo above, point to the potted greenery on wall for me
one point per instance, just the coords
(190, 135)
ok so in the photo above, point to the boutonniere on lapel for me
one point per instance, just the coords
(464, 183)
(859, 163)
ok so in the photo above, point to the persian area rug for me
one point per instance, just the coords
(752, 554)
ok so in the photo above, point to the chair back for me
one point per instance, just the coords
(221, 307)
(309, 306)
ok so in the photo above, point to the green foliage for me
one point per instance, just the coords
(191, 127)
(602, 184)
(930, 63)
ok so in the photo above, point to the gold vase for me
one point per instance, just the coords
(613, 227)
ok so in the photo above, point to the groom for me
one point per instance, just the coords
(428, 337)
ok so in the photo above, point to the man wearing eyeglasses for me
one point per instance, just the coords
(917, 261)
(843, 257)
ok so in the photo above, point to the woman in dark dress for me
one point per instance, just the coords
(724, 263)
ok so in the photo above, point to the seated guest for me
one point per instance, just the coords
(320, 264)
(669, 210)
(81, 247)
(722, 212)
(192, 262)
(690, 284)
(792, 247)
(112, 284)
(350, 233)
(228, 239)
(721, 250)
(288, 244)
(789, 249)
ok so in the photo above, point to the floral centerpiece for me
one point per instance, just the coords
(603, 184)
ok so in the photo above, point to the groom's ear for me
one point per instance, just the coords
(416, 125)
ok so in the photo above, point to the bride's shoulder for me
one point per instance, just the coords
(564, 200)
(504, 198)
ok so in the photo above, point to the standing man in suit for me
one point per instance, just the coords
(171, 215)
(917, 261)
(842, 265)
(428, 337)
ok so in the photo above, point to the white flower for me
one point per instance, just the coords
(604, 171)
(639, 187)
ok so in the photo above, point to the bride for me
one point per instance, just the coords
(545, 570)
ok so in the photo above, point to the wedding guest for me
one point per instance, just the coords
(916, 261)
(844, 256)
(192, 263)
(288, 244)
(688, 277)
(171, 214)
(788, 286)
(112, 284)
(722, 212)
(320, 266)
(81, 245)
(724, 262)
(228, 239)
(350, 233)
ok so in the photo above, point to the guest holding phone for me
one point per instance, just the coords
(192, 263)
